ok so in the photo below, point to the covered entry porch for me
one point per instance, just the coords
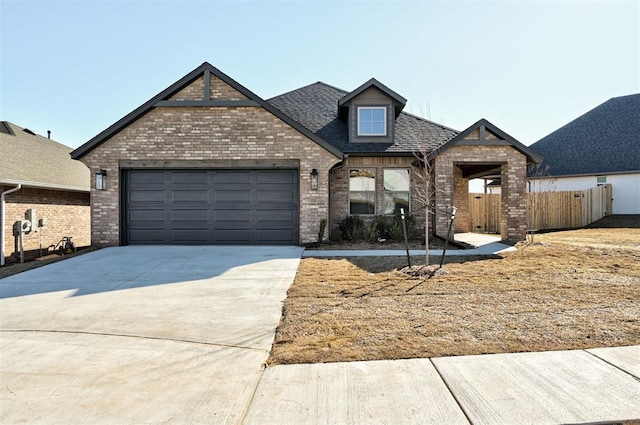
(482, 151)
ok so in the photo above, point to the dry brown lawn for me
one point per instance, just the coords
(573, 290)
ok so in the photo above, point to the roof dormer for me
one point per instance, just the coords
(370, 112)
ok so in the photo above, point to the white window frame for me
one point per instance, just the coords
(384, 109)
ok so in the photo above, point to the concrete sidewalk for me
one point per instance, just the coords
(581, 386)
(483, 244)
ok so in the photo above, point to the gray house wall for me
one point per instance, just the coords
(371, 97)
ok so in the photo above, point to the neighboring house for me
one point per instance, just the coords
(37, 174)
(494, 187)
(206, 161)
(601, 146)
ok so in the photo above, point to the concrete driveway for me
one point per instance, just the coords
(141, 334)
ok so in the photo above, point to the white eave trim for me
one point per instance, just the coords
(38, 185)
(604, 173)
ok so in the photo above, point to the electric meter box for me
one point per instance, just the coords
(31, 216)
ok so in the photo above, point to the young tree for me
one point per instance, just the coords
(424, 193)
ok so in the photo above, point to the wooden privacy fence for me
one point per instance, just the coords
(484, 212)
(545, 210)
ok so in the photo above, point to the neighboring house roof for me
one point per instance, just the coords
(179, 85)
(316, 107)
(36, 161)
(605, 140)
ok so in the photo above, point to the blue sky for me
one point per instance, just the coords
(76, 67)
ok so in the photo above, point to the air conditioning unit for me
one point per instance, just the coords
(21, 226)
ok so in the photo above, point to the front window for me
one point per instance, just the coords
(362, 191)
(396, 191)
(372, 121)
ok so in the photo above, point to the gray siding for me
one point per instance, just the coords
(371, 97)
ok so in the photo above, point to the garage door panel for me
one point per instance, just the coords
(272, 197)
(234, 235)
(190, 215)
(233, 177)
(222, 216)
(189, 196)
(150, 225)
(212, 207)
(146, 196)
(189, 236)
(279, 216)
(190, 224)
(143, 236)
(147, 215)
(147, 177)
(275, 177)
(190, 177)
(233, 195)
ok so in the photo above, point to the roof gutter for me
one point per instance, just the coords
(51, 186)
(2, 219)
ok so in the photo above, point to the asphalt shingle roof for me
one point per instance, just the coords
(604, 140)
(316, 107)
(37, 161)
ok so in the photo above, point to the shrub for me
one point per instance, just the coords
(395, 229)
(378, 228)
(323, 225)
(352, 228)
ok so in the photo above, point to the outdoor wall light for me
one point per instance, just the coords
(314, 179)
(101, 180)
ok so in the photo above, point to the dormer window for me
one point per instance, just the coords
(372, 121)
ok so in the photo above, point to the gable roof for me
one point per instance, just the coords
(398, 100)
(179, 85)
(36, 161)
(314, 106)
(604, 140)
(483, 132)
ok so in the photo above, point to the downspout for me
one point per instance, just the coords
(335, 167)
(2, 199)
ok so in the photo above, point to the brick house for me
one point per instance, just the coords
(206, 161)
(38, 179)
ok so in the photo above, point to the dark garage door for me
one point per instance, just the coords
(206, 207)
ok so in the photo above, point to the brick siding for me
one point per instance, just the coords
(66, 213)
(207, 133)
(339, 197)
(514, 174)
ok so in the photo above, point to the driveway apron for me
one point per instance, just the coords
(141, 334)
